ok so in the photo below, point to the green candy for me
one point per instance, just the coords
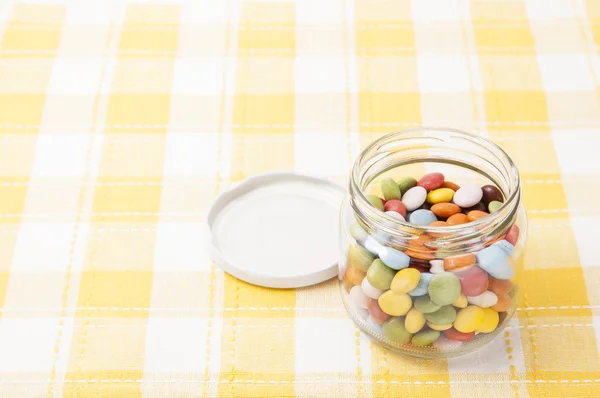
(494, 206)
(380, 275)
(359, 257)
(390, 189)
(425, 337)
(443, 316)
(358, 232)
(425, 305)
(444, 288)
(395, 330)
(375, 201)
(406, 183)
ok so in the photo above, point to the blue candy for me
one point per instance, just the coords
(422, 217)
(395, 259)
(423, 286)
(494, 261)
(506, 246)
(376, 327)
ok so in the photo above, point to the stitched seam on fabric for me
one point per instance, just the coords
(512, 368)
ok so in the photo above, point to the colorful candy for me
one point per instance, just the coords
(468, 195)
(494, 206)
(395, 330)
(490, 321)
(406, 183)
(484, 300)
(491, 194)
(431, 181)
(426, 337)
(444, 315)
(473, 280)
(440, 195)
(405, 281)
(390, 189)
(468, 319)
(414, 321)
(422, 217)
(444, 288)
(358, 297)
(414, 198)
(457, 262)
(425, 305)
(445, 210)
(395, 259)
(395, 205)
(359, 257)
(494, 261)
(379, 275)
(370, 290)
(375, 201)
(454, 334)
(457, 219)
(395, 304)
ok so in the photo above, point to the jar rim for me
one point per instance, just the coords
(390, 224)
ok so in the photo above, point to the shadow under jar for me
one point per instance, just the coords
(433, 291)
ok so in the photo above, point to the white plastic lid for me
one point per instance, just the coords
(277, 229)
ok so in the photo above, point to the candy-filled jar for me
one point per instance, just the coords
(432, 235)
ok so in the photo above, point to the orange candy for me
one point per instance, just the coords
(445, 209)
(475, 215)
(454, 334)
(439, 224)
(354, 275)
(456, 262)
(503, 303)
(451, 185)
(499, 286)
(417, 248)
(457, 219)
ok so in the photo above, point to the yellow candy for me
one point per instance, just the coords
(414, 321)
(490, 321)
(469, 319)
(405, 280)
(439, 327)
(461, 301)
(440, 195)
(395, 304)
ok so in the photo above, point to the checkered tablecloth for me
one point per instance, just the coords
(121, 121)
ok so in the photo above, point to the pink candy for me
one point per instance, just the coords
(431, 181)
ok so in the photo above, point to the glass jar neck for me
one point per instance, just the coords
(439, 145)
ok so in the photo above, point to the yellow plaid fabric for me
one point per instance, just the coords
(121, 121)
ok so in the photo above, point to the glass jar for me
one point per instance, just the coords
(368, 233)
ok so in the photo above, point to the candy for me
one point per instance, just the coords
(475, 215)
(373, 246)
(444, 315)
(503, 303)
(426, 337)
(414, 198)
(354, 275)
(445, 210)
(499, 286)
(484, 300)
(457, 219)
(446, 345)
(358, 233)
(414, 321)
(406, 183)
(393, 258)
(374, 326)
(455, 335)
(431, 181)
(425, 206)
(395, 205)
(358, 297)
(494, 206)
(490, 321)
(440, 195)
(513, 235)
(422, 217)
(375, 201)
(395, 304)
(494, 261)
(468, 195)
(451, 185)
(479, 206)
(395, 215)
(456, 262)
(405, 281)
(390, 189)
(435, 326)
(423, 285)
(437, 266)
(468, 319)
(370, 290)
(491, 194)
(379, 275)
(506, 246)
(473, 280)
(359, 257)
(460, 302)
(444, 288)
(395, 330)
(377, 314)
(425, 305)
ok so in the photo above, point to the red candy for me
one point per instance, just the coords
(473, 280)
(395, 205)
(513, 235)
(453, 334)
(431, 181)
(377, 314)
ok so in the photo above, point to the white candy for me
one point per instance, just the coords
(437, 266)
(358, 297)
(484, 300)
(415, 197)
(370, 290)
(468, 195)
(445, 344)
(395, 214)
(373, 246)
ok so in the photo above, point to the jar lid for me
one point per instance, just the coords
(277, 229)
